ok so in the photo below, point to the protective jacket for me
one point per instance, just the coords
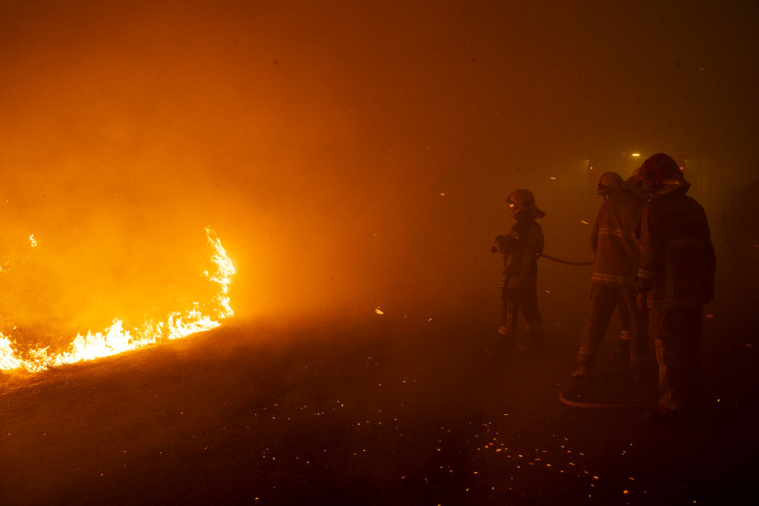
(613, 240)
(521, 249)
(677, 256)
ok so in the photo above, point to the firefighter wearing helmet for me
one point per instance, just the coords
(675, 280)
(521, 248)
(616, 254)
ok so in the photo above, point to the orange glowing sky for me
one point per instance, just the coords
(317, 138)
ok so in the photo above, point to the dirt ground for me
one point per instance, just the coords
(379, 412)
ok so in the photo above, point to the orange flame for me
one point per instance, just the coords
(115, 339)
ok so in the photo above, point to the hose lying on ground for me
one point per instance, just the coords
(600, 405)
(737, 399)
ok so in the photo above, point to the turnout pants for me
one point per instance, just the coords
(525, 302)
(677, 336)
(604, 299)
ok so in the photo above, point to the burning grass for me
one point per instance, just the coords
(37, 346)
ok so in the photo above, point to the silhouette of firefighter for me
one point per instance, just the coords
(616, 254)
(675, 279)
(521, 248)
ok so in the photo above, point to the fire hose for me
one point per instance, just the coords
(498, 246)
(730, 400)
(566, 262)
(564, 398)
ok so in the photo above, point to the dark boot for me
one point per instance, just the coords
(581, 372)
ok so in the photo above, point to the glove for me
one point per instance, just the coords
(496, 247)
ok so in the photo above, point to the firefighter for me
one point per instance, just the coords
(675, 280)
(616, 257)
(521, 248)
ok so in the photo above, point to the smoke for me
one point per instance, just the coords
(349, 155)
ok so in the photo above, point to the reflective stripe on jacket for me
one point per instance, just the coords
(614, 241)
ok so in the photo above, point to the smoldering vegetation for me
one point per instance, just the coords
(349, 156)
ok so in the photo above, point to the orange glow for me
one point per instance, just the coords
(116, 339)
(322, 136)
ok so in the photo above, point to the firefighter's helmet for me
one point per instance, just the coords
(609, 183)
(522, 205)
(657, 169)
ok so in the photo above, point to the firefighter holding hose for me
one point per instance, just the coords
(521, 248)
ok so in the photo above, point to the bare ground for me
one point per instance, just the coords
(382, 412)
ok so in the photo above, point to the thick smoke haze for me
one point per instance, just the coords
(349, 155)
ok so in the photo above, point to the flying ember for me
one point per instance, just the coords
(116, 339)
